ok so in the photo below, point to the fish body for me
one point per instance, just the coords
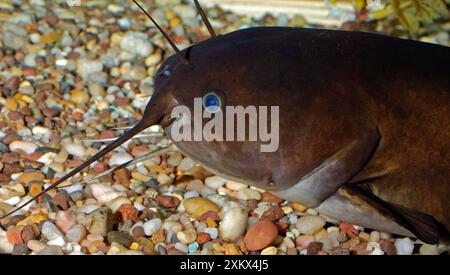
(364, 121)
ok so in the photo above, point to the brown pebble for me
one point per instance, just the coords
(84, 250)
(12, 84)
(203, 238)
(100, 167)
(20, 249)
(35, 155)
(314, 248)
(61, 200)
(29, 72)
(4, 178)
(388, 247)
(292, 251)
(122, 176)
(209, 215)
(274, 213)
(77, 116)
(10, 157)
(74, 163)
(138, 231)
(260, 235)
(51, 19)
(139, 150)
(50, 112)
(28, 233)
(10, 137)
(14, 115)
(122, 101)
(167, 201)
(252, 204)
(10, 169)
(107, 134)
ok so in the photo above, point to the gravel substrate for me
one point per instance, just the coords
(71, 74)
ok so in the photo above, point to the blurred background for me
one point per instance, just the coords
(426, 20)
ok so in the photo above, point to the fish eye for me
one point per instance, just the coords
(212, 102)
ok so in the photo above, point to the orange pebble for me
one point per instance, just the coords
(128, 212)
(14, 235)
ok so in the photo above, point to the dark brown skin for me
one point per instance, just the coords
(364, 121)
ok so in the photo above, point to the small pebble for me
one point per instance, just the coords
(404, 246)
(77, 233)
(309, 225)
(22, 146)
(187, 237)
(260, 235)
(50, 231)
(152, 226)
(233, 223)
(199, 206)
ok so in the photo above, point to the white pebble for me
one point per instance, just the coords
(12, 201)
(35, 38)
(22, 146)
(212, 231)
(50, 231)
(191, 194)
(404, 246)
(186, 165)
(73, 188)
(215, 182)
(104, 193)
(233, 224)
(75, 149)
(136, 43)
(89, 208)
(235, 186)
(139, 206)
(377, 251)
(152, 226)
(119, 158)
(5, 246)
(88, 68)
(58, 241)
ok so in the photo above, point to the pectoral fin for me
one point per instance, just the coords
(334, 172)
